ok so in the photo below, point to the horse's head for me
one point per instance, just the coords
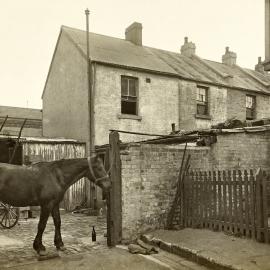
(97, 173)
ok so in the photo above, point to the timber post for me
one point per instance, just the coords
(114, 199)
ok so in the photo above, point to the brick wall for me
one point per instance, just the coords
(237, 105)
(217, 106)
(157, 104)
(149, 174)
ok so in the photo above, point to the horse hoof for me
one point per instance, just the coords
(42, 253)
(61, 248)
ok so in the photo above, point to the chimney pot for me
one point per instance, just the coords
(229, 58)
(189, 48)
(259, 67)
(133, 33)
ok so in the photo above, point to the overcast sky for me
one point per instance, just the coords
(29, 31)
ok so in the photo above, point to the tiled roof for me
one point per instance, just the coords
(124, 53)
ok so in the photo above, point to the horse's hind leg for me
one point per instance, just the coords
(44, 215)
(57, 224)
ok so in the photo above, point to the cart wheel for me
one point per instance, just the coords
(9, 215)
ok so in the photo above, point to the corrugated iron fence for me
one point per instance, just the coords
(232, 201)
(41, 151)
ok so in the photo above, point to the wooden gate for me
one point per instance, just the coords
(236, 202)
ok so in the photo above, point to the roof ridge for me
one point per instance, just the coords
(200, 65)
(64, 27)
(178, 53)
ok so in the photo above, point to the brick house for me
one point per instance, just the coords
(143, 89)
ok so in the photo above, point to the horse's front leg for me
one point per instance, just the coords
(37, 245)
(57, 224)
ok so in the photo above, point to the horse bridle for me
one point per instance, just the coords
(96, 180)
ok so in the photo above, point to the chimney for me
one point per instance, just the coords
(259, 67)
(229, 58)
(188, 49)
(134, 33)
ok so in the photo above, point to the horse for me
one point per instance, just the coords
(44, 184)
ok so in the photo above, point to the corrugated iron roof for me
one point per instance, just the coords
(20, 112)
(124, 53)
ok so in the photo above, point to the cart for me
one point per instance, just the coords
(9, 215)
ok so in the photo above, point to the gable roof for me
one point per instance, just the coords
(110, 50)
(123, 53)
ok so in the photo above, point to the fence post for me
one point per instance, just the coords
(247, 204)
(114, 220)
(252, 205)
(265, 206)
(258, 204)
(230, 208)
(241, 223)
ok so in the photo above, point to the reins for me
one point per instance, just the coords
(93, 174)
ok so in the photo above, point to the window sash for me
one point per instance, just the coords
(249, 114)
(250, 107)
(202, 109)
(129, 87)
(129, 98)
(250, 102)
(201, 99)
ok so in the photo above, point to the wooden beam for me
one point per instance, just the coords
(115, 197)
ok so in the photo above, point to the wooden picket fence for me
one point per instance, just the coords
(236, 202)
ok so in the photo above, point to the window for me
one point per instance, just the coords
(129, 91)
(202, 96)
(250, 107)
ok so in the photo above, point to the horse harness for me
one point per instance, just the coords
(96, 180)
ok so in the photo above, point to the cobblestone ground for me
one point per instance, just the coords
(16, 243)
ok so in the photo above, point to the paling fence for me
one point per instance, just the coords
(236, 202)
(37, 151)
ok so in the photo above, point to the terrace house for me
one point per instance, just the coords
(143, 89)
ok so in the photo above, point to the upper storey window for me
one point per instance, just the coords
(250, 107)
(129, 95)
(202, 100)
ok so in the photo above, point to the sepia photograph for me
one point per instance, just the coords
(135, 135)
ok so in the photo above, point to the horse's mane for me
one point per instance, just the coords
(55, 162)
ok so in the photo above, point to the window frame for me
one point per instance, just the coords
(203, 103)
(252, 109)
(129, 98)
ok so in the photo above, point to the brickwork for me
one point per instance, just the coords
(149, 174)
(237, 105)
(162, 100)
(217, 98)
(157, 104)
